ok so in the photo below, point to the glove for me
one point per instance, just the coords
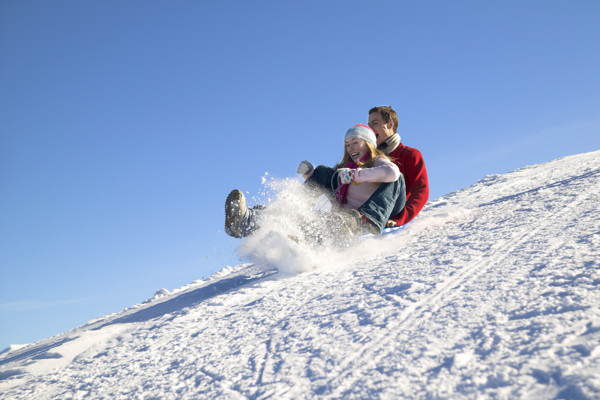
(346, 175)
(305, 169)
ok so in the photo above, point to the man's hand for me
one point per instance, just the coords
(391, 223)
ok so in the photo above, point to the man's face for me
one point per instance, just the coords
(382, 130)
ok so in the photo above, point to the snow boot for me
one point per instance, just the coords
(235, 212)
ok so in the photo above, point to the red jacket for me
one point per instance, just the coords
(411, 164)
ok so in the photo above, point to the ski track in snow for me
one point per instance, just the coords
(493, 292)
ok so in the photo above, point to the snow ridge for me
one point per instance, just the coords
(493, 292)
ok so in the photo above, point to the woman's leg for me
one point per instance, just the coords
(388, 200)
(240, 221)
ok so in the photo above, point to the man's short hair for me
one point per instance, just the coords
(387, 114)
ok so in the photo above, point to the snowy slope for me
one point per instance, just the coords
(493, 292)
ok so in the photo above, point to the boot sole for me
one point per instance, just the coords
(230, 215)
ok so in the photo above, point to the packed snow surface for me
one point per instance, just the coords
(493, 292)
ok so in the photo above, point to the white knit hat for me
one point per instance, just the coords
(363, 132)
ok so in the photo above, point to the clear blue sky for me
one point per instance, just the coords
(124, 124)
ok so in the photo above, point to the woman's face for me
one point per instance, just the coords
(356, 148)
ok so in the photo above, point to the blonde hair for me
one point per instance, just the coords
(374, 152)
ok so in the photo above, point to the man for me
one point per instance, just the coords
(384, 122)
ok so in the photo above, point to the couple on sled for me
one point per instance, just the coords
(367, 189)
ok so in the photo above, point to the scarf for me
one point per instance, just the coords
(342, 192)
(390, 144)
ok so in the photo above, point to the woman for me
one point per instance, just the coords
(352, 182)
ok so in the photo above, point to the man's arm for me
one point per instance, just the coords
(417, 189)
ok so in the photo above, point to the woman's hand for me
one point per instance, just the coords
(305, 169)
(346, 175)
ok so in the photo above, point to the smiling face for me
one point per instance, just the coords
(382, 130)
(356, 148)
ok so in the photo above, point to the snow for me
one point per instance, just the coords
(493, 292)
